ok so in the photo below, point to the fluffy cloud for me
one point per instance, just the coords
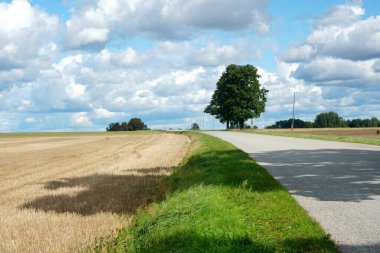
(358, 41)
(173, 79)
(215, 55)
(80, 119)
(96, 23)
(88, 90)
(26, 41)
(376, 66)
(327, 69)
(341, 15)
(341, 57)
(341, 34)
(282, 86)
(160, 60)
(102, 113)
(298, 54)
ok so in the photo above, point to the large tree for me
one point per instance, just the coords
(328, 119)
(195, 126)
(238, 96)
(136, 124)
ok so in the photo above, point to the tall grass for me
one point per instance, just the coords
(222, 201)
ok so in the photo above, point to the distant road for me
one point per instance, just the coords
(337, 183)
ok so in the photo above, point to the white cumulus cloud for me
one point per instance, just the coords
(26, 35)
(93, 24)
(81, 119)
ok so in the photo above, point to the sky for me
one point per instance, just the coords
(77, 65)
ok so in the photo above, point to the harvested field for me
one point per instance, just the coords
(354, 132)
(60, 193)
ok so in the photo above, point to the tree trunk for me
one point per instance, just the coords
(241, 124)
(228, 124)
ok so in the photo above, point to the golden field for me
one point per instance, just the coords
(60, 193)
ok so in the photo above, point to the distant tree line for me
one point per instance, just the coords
(298, 123)
(133, 124)
(327, 120)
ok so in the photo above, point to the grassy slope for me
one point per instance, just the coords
(222, 201)
(363, 140)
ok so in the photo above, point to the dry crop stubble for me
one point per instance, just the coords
(61, 193)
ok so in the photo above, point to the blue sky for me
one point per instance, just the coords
(78, 65)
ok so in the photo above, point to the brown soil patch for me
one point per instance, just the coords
(61, 193)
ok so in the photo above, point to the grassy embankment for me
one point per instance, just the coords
(221, 201)
(329, 137)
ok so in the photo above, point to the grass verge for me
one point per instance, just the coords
(221, 201)
(362, 140)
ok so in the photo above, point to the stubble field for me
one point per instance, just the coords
(60, 193)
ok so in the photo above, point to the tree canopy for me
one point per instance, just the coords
(238, 96)
(298, 123)
(328, 119)
(195, 126)
(372, 122)
(133, 125)
(136, 124)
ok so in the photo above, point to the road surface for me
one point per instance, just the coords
(337, 183)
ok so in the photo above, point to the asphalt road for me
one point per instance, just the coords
(337, 183)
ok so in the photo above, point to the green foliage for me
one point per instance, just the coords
(195, 126)
(298, 123)
(328, 119)
(332, 119)
(222, 201)
(134, 124)
(238, 96)
(124, 126)
(113, 127)
(373, 122)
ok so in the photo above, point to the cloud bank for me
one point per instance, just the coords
(109, 60)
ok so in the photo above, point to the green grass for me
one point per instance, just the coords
(363, 140)
(221, 201)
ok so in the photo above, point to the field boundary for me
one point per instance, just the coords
(351, 139)
(220, 200)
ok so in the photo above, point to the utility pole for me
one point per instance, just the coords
(203, 124)
(294, 102)
(213, 126)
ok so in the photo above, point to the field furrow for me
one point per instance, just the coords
(61, 193)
